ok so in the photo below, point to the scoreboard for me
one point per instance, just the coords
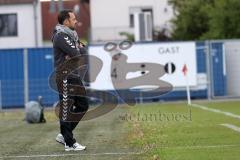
(172, 56)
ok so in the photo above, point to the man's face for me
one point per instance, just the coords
(72, 21)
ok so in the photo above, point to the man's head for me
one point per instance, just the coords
(67, 18)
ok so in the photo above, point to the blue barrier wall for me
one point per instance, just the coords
(40, 65)
(218, 70)
(11, 76)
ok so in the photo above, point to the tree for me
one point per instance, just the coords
(206, 19)
(192, 18)
(224, 20)
(177, 4)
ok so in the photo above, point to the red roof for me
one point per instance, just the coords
(49, 20)
(2, 2)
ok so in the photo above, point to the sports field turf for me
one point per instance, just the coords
(163, 131)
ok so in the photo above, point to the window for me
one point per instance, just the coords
(8, 25)
(149, 10)
(138, 10)
(131, 20)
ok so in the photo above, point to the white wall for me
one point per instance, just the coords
(232, 50)
(107, 13)
(26, 31)
(115, 13)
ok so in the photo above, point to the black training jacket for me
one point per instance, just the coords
(64, 46)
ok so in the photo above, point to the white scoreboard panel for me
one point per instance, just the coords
(173, 56)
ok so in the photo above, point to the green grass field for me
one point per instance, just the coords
(172, 131)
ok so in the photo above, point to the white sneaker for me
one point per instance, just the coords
(76, 147)
(60, 139)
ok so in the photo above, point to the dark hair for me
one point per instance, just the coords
(64, 14)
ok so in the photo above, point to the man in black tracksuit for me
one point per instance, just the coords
(66, 45)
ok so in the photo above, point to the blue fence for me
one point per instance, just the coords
(40, 66)
(11, 76)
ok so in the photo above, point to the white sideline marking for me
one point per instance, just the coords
(216, 111)
(129, 153)
(202, 147)
(235, 128)
(63, 155)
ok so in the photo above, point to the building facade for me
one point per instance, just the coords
(20, 24)
(111, 17)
